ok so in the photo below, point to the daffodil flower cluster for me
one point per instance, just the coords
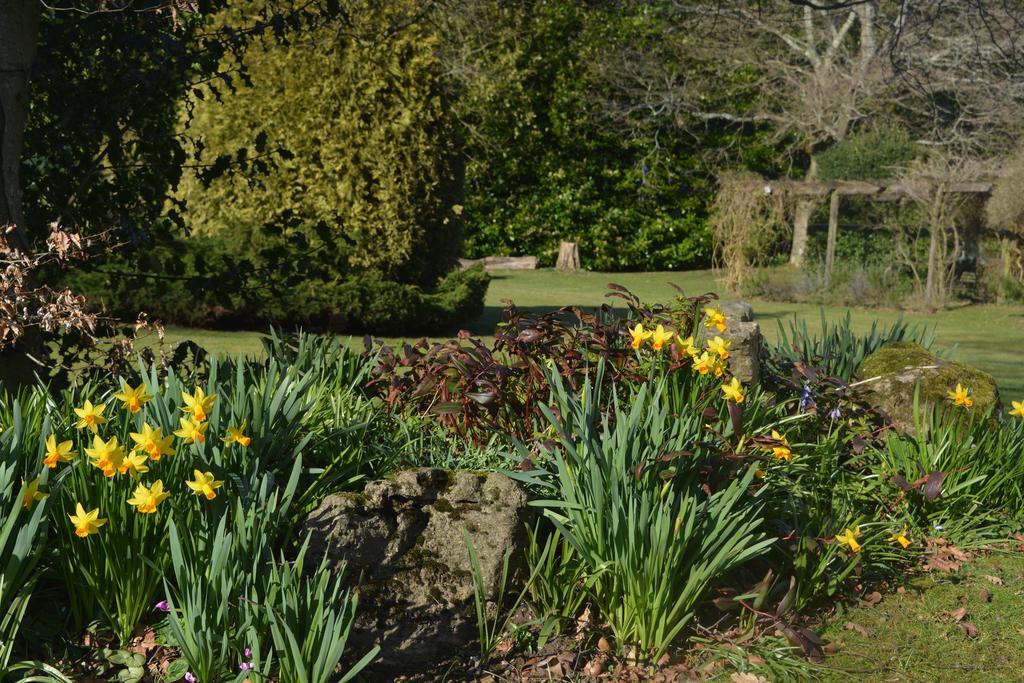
(149, 444)
(849, 539)
(711, 360)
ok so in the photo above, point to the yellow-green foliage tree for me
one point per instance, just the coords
(373, 180)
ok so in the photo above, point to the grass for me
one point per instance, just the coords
(915, 636)
(985, 336)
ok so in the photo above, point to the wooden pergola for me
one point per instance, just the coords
(876, 190)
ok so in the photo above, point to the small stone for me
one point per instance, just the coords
(745, 351)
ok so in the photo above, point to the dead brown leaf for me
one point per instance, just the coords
(851, 626)
(994, 580)
(958, 614)
(985, 595)
(583, 623)
(596, 666)
(738, 677)
(873, 598)
(969, 629)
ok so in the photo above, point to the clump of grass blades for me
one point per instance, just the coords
(652, 547)
(835, 348)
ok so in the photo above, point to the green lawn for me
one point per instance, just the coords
(920, 634)
(987, 336)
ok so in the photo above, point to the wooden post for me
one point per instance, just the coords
(833, 229)
(568, 256)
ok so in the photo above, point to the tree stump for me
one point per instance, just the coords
(568, 256)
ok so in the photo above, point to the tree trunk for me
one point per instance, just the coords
(801, 226)
(19, 29)
(931, 285)
(1005, 257)
(833, 231)
(568, 256)
(802, 221)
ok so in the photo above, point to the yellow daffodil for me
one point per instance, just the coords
(237, 435)
(733, 391)
(719, 347)
(849, 538)
(1018, 408)
(58, 452)
(198, 404)
(86, 522)
(961, 396)
(688, 346)
(106, 455)
(145, 499)
(134, 399)
(152, 441)
(640, 335)
(901, 538)
(713, 317)
(660, 336)
(782, 451)
(134, 464)
(192, 430)
(204, 484)
(32, 493)
(704, 364)
(717, 366)
(90, 416)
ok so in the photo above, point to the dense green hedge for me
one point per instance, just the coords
(372, 178)
(544, 164)
(212, 287)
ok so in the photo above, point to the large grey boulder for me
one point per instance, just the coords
(888, 378)
(403, 544)
(747, 342)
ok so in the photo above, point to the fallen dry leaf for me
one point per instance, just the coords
(995, 580)
(941, 564)
(603, 645)
(596, 666)
(873, 598)
(985, 595)
(755, 659)
(712, 666)
(851, 626)
(738, 677)
(958, 614)
(969, 629)
(582, 623)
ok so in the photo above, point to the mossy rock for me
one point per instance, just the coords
(891, 374)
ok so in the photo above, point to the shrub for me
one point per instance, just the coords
(545, 163)
(373, 180)
(871, 155)
(217, 288)
(475, 390)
